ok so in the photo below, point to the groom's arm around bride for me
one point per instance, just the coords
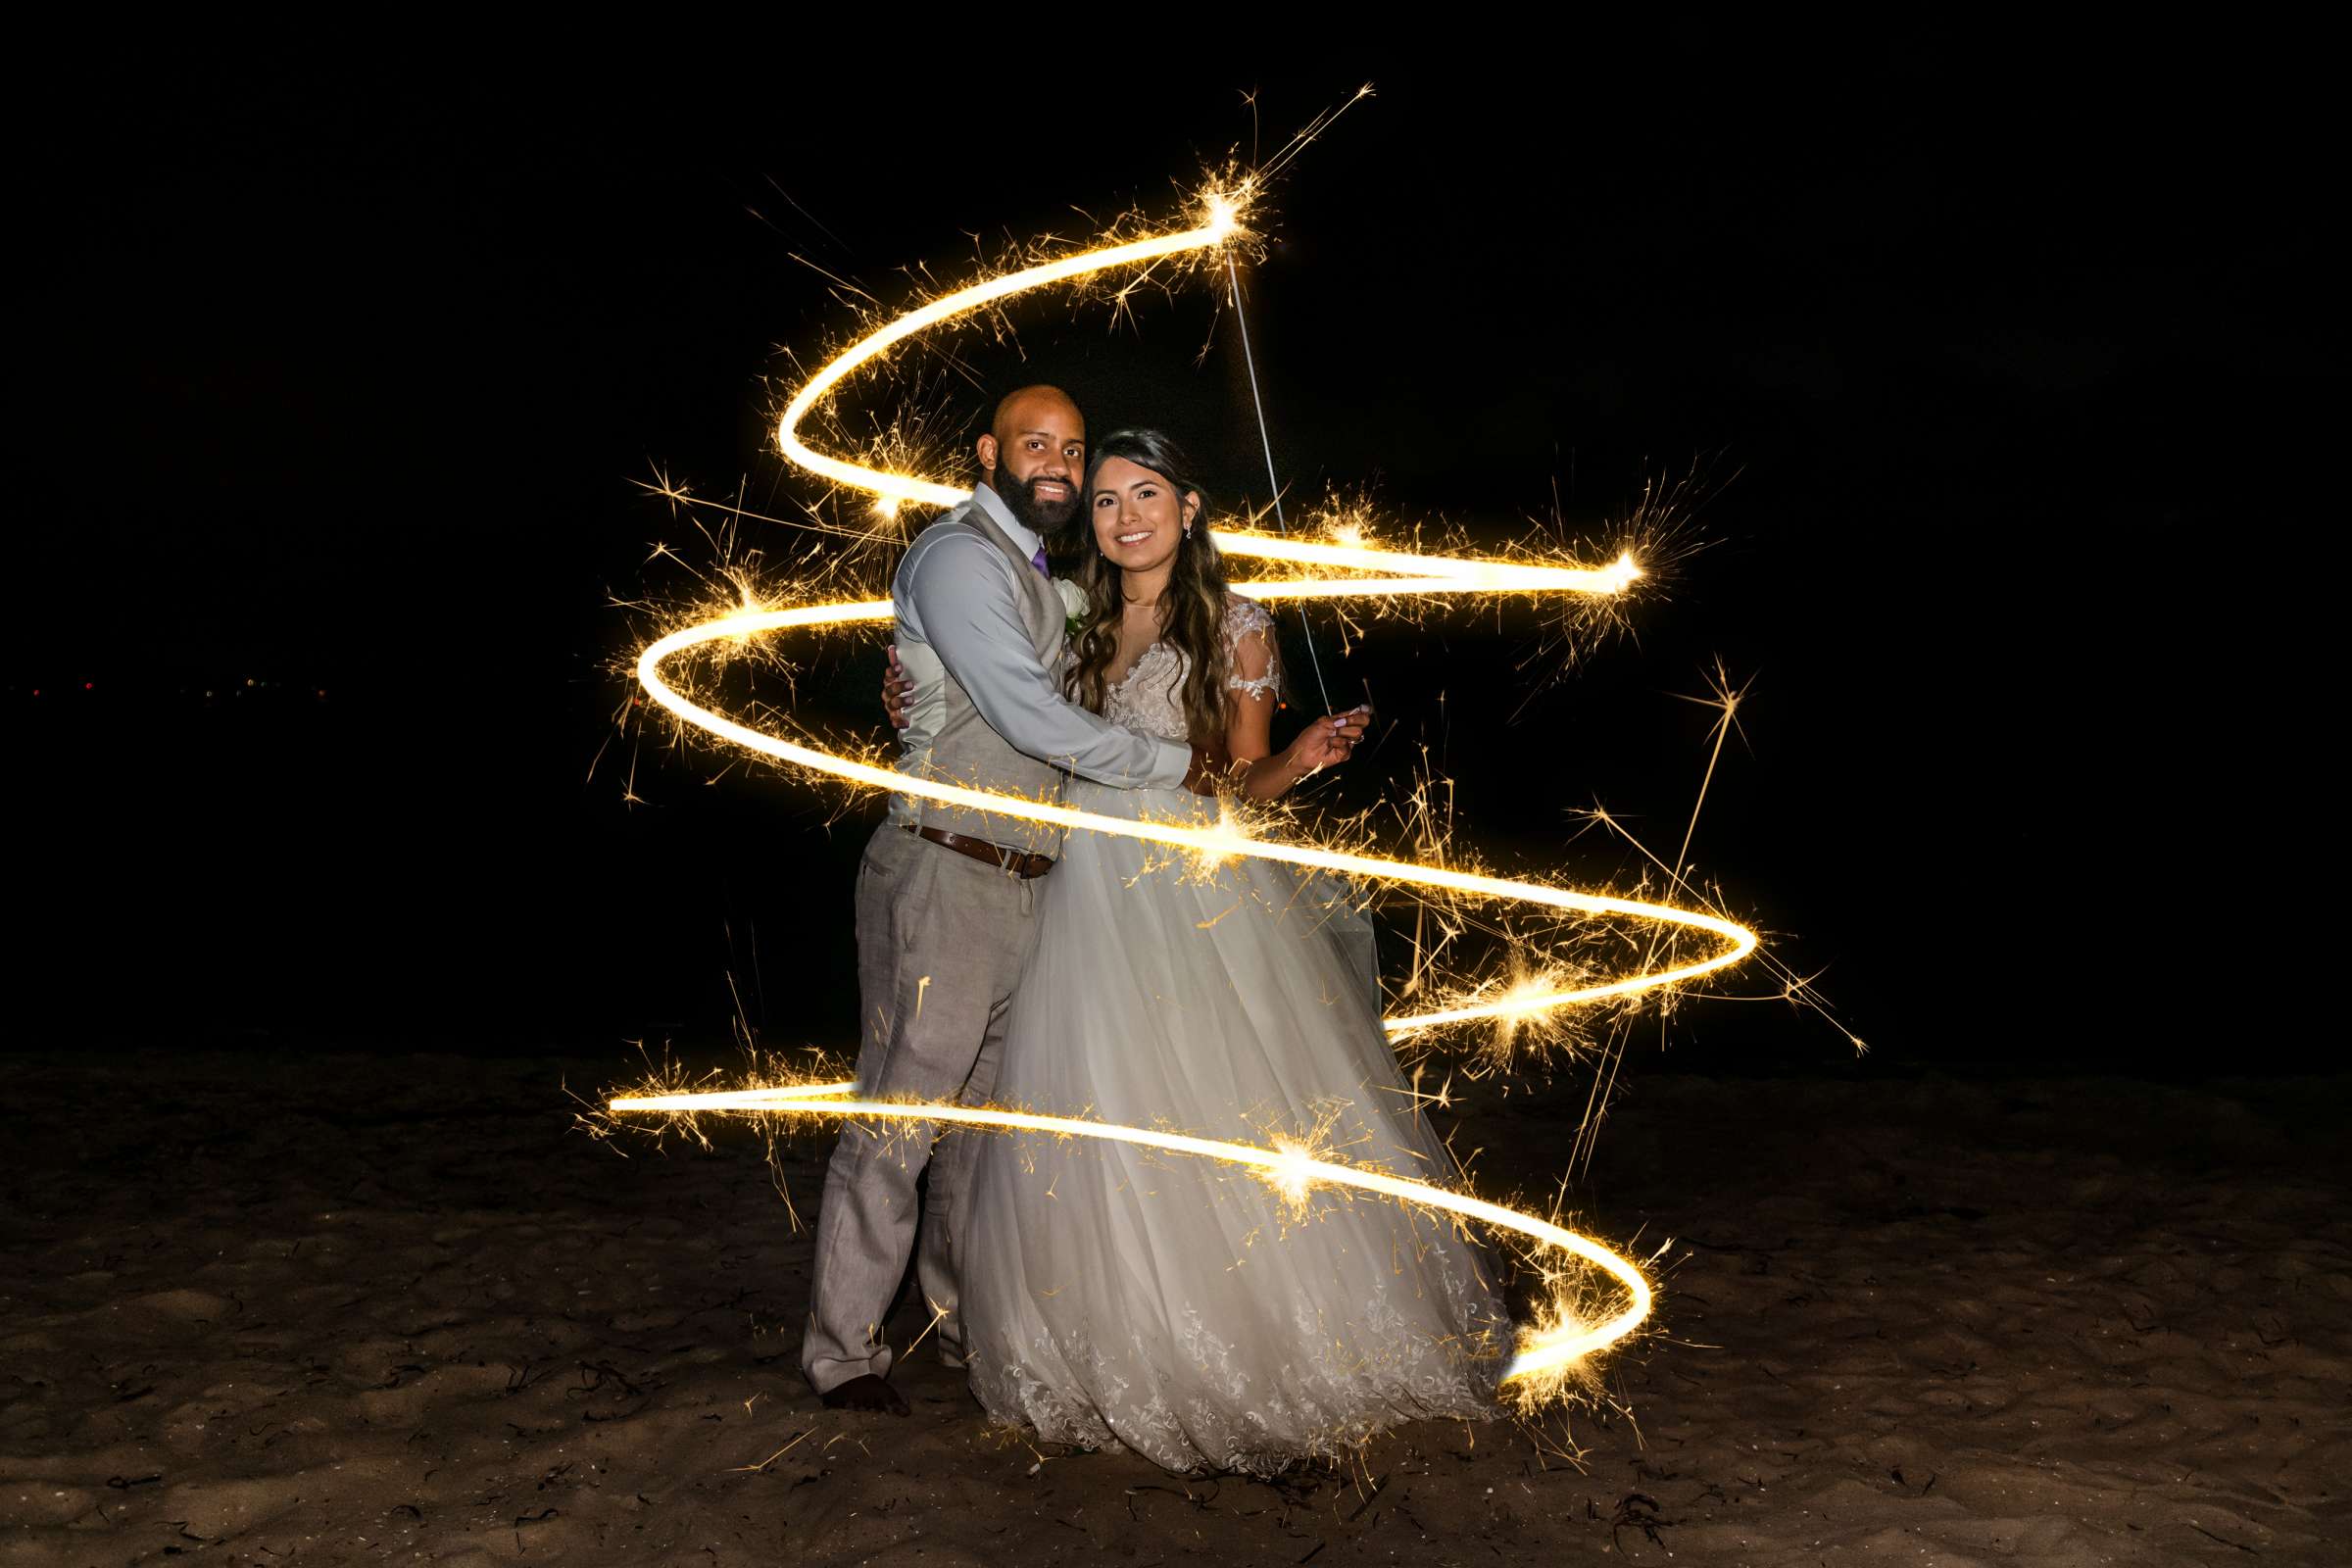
(946, 895)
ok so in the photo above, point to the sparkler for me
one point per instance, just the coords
(1545, 1354)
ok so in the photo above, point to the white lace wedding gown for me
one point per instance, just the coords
(1114, 1295)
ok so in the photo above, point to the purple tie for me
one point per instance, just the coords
(1039, 561)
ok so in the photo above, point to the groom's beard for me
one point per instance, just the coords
(1048, 520)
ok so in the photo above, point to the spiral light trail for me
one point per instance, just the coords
(1289, 1168)
(1388, 574)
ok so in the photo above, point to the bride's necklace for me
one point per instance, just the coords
(1139, 607)
(1135, 607)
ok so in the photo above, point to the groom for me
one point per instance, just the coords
(947, 896)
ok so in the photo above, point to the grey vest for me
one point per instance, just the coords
(966, 749)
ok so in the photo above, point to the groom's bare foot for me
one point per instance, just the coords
(864, 1392)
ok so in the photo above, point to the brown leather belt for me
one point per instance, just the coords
(1020, 862)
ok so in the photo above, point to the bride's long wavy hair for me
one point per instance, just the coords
(1191, 609)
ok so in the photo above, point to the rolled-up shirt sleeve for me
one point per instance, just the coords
(963, 607)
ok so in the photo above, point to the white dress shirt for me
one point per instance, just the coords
(954, 597)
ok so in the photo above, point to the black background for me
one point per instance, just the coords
(1995, 357)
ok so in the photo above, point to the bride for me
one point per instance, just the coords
(1178, 1307)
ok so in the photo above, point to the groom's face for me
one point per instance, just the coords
(1033, 455)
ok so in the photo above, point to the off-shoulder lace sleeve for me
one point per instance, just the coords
(1245, 620)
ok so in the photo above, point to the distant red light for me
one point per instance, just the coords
(85, 685)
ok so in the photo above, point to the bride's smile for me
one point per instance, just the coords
(1138, 522)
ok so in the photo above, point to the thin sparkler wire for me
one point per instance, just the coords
(1273, 485)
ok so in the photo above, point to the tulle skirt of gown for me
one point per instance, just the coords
(1179, 1306)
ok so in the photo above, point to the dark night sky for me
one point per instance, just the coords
(345, 381)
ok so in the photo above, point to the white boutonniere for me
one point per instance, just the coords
(1073, 605)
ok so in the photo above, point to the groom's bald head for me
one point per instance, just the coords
(1035, 411)
(1034, 454)
(1038, 401)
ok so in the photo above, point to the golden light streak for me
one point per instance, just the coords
(1293, 1171)
(1223, 209)
(1224, 220)
(1546, 1353)
(1215, 842)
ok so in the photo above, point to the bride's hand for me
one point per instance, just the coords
(1328, 740)
(896, 688)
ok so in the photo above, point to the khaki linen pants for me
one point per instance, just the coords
(940, 942)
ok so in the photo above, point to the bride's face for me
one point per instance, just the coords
(1139, 517)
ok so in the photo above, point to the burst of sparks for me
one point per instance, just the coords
(1337, 566)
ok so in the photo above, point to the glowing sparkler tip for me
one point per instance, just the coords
(1292, 1175)
(1227, 841)
(1224, 212)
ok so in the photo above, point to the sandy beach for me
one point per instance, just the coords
(264, 1307)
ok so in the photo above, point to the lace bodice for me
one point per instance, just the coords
(1151, 698)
